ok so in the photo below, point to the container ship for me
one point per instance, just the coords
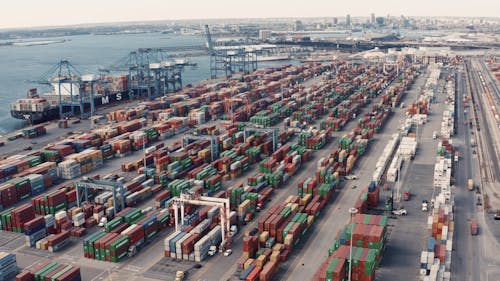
(39, 108)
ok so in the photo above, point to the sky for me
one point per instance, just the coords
(30, 13)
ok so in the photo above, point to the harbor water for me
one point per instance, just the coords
(21, 65)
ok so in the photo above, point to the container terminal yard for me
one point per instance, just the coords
(350, 168)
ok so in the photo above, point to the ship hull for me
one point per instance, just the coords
(53, 112)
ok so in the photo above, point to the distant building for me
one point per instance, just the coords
(380, 21)
(298, 25)
(372, 18)
(335, 21)
(265, 35)
(348, 20)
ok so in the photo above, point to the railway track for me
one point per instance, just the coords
(486, 147)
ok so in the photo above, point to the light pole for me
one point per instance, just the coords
(352, 212)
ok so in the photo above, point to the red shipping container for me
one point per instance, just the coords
(72, 274)
(25, 276)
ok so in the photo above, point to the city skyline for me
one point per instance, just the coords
(60, 13)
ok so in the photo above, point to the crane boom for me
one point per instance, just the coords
(210, 44)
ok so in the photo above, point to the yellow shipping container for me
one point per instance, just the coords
(44, 244)
(244, 205)
(451, 226)
(342, 153)
(288, 239)
(310, 220)
(261, 260)
(278, 247)
(264, 236)
(294, 207)
(76, 211)
(331, 161)
(247, 263)
(304, 200)
(275, 256)
(289, 199)
(145, 190)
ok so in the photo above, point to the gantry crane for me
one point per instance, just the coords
(228, 104)
(273, 131)
(151, 72)
(114, 187)
(69, 85)
(195, 199)
(230, 59)
(214, 143)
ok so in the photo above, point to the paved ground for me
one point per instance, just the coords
(485, 246)
(154, 267)
(306, 261)
(224, 268)
(401, 259)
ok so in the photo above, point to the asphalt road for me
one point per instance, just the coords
(463, 267)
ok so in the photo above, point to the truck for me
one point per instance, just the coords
(212, 251)
(470, 184)
(473, 227)
(233, 230)
(472, 142)
(406, 194)
(434, 135)
(103, 221)
(264, 195)
(180, 275)
(425, 206)
(248, 217)
(400, 212)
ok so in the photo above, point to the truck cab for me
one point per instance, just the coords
(260, 203)
(425, 206)
(180, 275)
(470, 184)
(248, 217)
(400, 212)
(233, 230)
(212, 251)
(103, 222)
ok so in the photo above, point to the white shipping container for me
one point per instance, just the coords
(140, 178)
(430, 258)
(423, 257)
(60, 215)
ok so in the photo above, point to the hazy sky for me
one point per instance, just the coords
(24, 13)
